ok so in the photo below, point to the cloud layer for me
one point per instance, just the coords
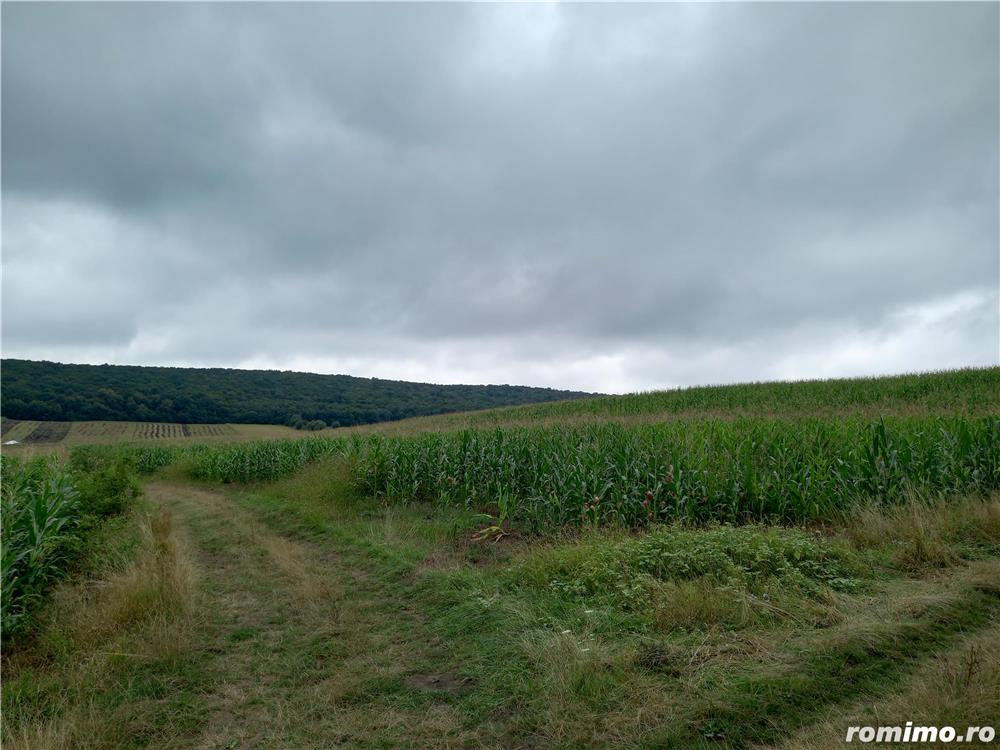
(602, 197)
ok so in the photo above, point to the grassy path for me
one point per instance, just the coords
(301, 616)
(303, 652)
(331, 639)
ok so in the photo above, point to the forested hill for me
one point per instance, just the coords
(47, 390)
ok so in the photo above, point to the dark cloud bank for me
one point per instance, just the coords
(602, 197)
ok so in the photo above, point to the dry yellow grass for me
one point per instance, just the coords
(928, 534)
(92, 630)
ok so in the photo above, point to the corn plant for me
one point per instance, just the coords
(260, 460)
(40, 520)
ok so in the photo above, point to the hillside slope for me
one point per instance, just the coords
(972, 390)
(52, 391)
(969, 391)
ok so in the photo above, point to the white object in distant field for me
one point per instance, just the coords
(11, 442)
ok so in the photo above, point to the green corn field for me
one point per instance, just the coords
(699, 470)
(787, 452)
(260, 460)
(631, 475)
(971, 391)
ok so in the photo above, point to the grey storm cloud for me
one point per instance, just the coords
(607, 197)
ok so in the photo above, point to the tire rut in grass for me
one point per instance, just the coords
(766, 708)
(268, 614)
(302, 654)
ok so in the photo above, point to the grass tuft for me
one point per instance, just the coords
(924, 534)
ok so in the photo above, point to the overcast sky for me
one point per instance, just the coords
(601, 197)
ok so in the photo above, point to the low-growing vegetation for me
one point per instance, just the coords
(676, 577)
(632, 572)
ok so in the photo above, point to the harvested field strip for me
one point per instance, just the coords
(17, 429)
(109, 432)
(101, 429)
(48, 432)
(6, 425)
(172, 431)
(159, 430)
(95, 429)
(211, 430)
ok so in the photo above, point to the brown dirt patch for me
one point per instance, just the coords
(48, 432)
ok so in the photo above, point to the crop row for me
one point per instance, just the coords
(150, 430)
(156, 430)
(260, 460)
(698, 470)
(208, 430)
(731, 470)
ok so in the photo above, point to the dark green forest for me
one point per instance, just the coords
(52, 391)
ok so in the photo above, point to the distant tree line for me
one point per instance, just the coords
(52, 391)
